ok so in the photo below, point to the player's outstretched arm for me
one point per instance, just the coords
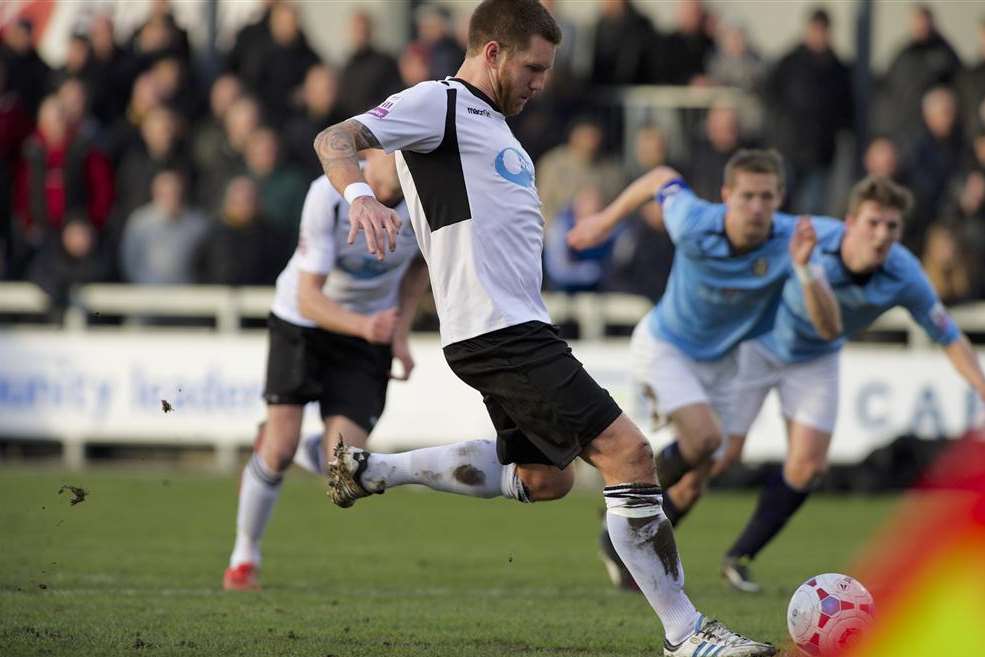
(327, 314)
(593, 230)
(822, 306)
(412, 287)
(964, 359)
(337, 149)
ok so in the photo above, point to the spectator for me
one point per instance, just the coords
(413, 64)
(73, 94)
(125, 133)
(159, 36)
(210, 133)
(108, 82)
(71, 256)
(177, 88)
(649, 151)
(971, 88)
(281, 188)
(60, 175)
(285, 64)
(253, 41)
(935, 158)
(712, 151)
(809, 93)
(947, 265)
(242, 118)
(627, 48)
(319, 109)
(566, 269)
(26, 71)
(161, 239)
(236, 250)
(369, 75)
(733, 63)
(881, 159)
(926, 61)
(15, 125)
(434, 32)
(573, 165)
(564, 61)
(160, 148)
(78, 61)
(690, 44)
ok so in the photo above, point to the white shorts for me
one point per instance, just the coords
(808, 391)
(668, 379)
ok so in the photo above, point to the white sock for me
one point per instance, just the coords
(468, 468)
(644, 540)
(258, 493)
(308, 455)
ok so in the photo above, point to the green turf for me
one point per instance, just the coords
(136, 569)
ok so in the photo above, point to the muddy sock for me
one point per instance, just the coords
(467, 468)
(258, 491)
(644, 539)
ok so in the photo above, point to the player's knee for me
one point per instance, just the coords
(543, 486)
(805, 473)
(277, 455)
(707, 444)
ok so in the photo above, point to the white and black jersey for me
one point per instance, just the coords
(356, 280)
(470, 188)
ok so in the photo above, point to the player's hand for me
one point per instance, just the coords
(588, 232)
(380, 223)
(378, 327)
(803, 241)
(401, 351)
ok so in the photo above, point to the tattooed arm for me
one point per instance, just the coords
(336, 148)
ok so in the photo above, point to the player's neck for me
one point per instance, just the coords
(854, 263)
(475, 72)
(740, 243)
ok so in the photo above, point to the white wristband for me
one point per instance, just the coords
(355, 190)
(804, 274)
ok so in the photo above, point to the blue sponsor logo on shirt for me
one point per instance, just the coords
(513, 165)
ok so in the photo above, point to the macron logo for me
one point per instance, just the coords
(479, 112)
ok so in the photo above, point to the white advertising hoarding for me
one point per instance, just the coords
(109, 387)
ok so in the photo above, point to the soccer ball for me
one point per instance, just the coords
(828, 613)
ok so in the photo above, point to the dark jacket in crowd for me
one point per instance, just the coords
(627, 50)
(809, 96)
(915, 70)
(239, 255)
(26, 73)
(56, 271)
(368, 78)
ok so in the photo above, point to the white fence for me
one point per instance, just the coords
(93, 384)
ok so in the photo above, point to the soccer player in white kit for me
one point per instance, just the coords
(476, 213)
(338, 319)
(869, 272)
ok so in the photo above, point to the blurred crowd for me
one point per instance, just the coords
(129, 164)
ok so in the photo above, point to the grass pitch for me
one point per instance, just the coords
(136, 569)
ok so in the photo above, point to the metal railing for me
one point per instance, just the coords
(227, 307)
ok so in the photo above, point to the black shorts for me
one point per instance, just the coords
(346, 375)
(544, 405)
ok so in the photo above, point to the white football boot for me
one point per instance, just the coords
(712, 639)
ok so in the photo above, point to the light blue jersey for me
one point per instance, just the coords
(900, 281)
(716, 298)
